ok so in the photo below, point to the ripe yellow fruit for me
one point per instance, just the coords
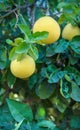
(23, 68)
(70, 31)
(50, 25)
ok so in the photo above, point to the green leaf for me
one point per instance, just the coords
(62, 4)
(3, 57)
(51, 68)
(32, 80)
(74, 74)
(75, 44)
(45, 90)
(6, 120)
(50, 50)
(21, 19)
(75, 122)
(26, 31)
(61, 46)
(38, 36)
(20, 111)
(60, 103)
(62, 18)
(33, 52)
(18, 40)
(10, 79)
(13, 54)
(46, 124)
(42, 53)
(22, 48)
(75, 95)
(2, 6)
(73, 59)
(10, 42)
(43, 72)
(67, 78)
(56, 76)
(2, 91)
(65, 88)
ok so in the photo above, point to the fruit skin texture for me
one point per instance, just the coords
(70, 31)
(23, 68)
(50, 25)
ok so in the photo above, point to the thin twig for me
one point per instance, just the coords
(16, 18)
(12, 11)
(33, 16)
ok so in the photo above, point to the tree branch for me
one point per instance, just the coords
(12, 11)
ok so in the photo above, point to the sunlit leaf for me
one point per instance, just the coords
(26, 31)
(37, 36)
(13, 54)
(22, 48)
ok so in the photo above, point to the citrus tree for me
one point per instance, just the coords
(39, 65)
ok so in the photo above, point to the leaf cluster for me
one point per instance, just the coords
(55, 85)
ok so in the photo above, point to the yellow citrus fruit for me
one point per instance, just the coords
(23, 68)
(70, 31)
(50, 25)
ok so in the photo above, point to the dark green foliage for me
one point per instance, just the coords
(55, 85)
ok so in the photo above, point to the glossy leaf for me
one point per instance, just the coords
(20, 111)
(74, 74)
(61, 47)
(75, 95)
(75, 44)
(56, 76)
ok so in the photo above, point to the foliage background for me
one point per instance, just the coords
(55, 86)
